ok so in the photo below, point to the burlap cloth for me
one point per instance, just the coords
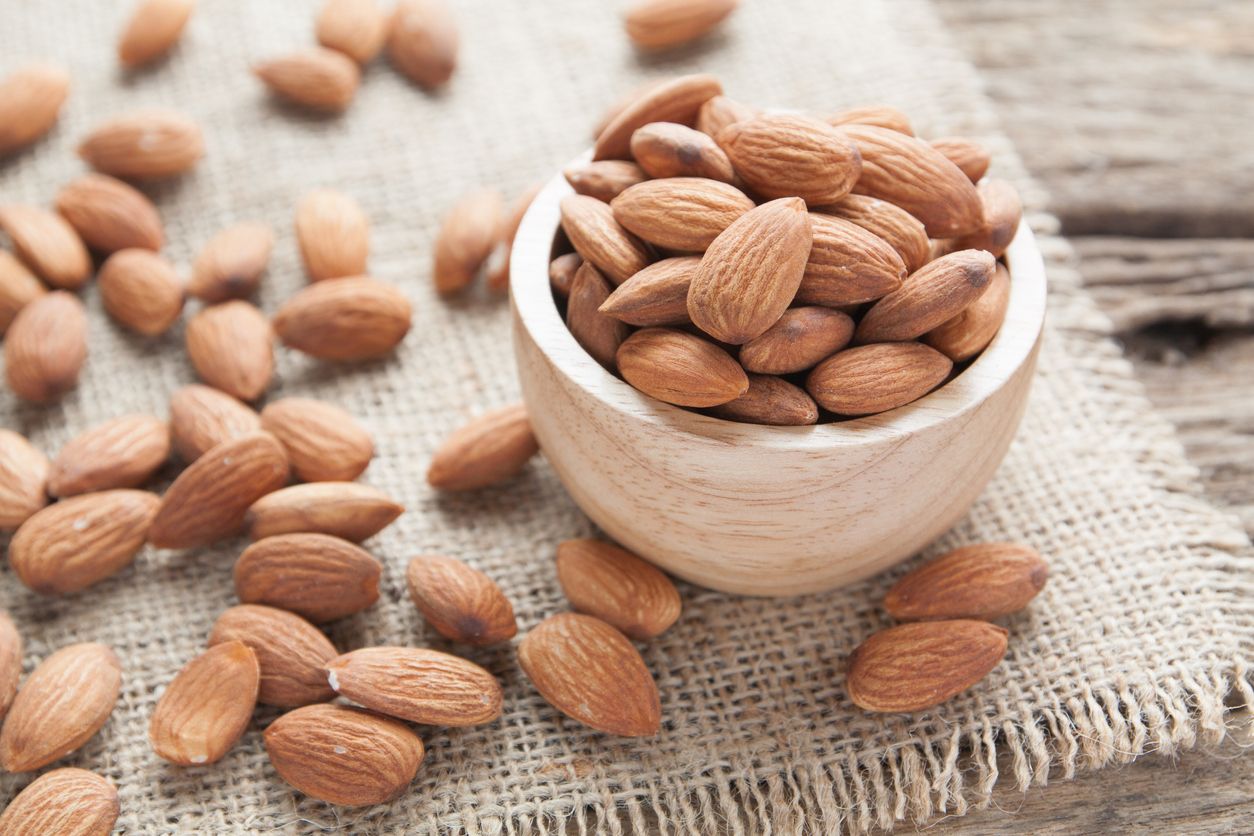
(1145, 626)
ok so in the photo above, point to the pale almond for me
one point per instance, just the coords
(45, 347)
(10, 662)
(969, 155)
(313, 77)
(141, 290)
(903, 232)
(604, 179)
(562, 272)
(23, 480)
(202, 417)
(342, 509)
(680, 213)
(290, 652)
(770, 400)
(680, 368)
(785, 155)
(120, 453)
(599, 334)
(601, 240)
(47, 244)
(30, 101)
(801, 338)
(676, 100)
(665, 149)
(663, 24)
(231, 264)
(970, 332)
(231, 346)
(460, 602)
(65, 802)
(982, 581)
(879, 116)
(876, 378)
(719, 112)
(1002, 212)
(110, 215)
(349, 319)
(498, 269)
(356, 28)
(316, 576)
(324, 443)
(490, 449)
(929, 297)
(609, 582)
(207, 706)
(847, 265)
(423, 42)
(333, 233)
(657, 295)
(153, 29)
(465, 240)
(419, 685)
(18, 287)
(148, 144)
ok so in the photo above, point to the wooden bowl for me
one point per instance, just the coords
(766, 510)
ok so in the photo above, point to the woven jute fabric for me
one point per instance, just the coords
(1144, 628)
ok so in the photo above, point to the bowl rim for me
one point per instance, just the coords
(536, 311)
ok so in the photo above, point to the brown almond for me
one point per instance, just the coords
(665, 149)
(423, 42)
(18, 287)
(343, 755)
(460, 602)
(110, 215)
(969, 155)
(207, 706)
(770, 400)
(323, 442)
(604, 179)
(465, 240)
(313, 575)
(599, 334)
(590, 672)
(208, 500)
(982, 581)
(751, 272)
(23, 480)
(202, 417)
(1002, 213)
(231, 346)
(876, 378)
(801, 338)
(47, 244)
(913, 667)
(148, 144)
(419, 685)
(141, 290)
(903, 232)
(847, 265)
(601, 239)
(153, 29)
(657, 295)
(784, 155)
(623, 102)
(970, 332)
(930, 296)
(342, 509)
(313, 77)
(562, 272)
(663, 24)
(719, 112)
(67, 802)
(676, 100)
(680, 213)
(231, 264)
(879, 116)
(121, 453)
(333, 233)
(30, 101)
(45, 347)
(680, 368)
(498, 269)
(616, 586)
(356, 28)
(356, 318)
(10, 661)
(64, 702)
(490, 449)
(290, 652)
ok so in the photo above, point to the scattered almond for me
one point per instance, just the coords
(498, 263)
(676, 100)
(562, 272)
(465, 240)
(929, 297)
(680, 213)
(202, 417)
(231, 264)
(45, 347)
(599, 334)
(153, 29)
(30, 101)
(23, 480)
(876, 378)
(121, 453)
(207, 706)
(798, 341)
(10, 662)
(419, 685)
(323, 442)
(333, 233)
(459, 602)
(665, 149)
(901, 230)
(148, 144)
(18, 287)
(611, 583)
(313, 575)
(662, 24)
(490, 449)
(601, 239)
(657, 295)
(847, 265)
(290, 652)
(231, 346)
(356, 28)
(315, 77)
(423, 42)
(982, 581)
(47, 244)
(878, 116)
(604, 179)
(348, 319)
(719, 112)
(970, 332)
(770, 400)
(110, 215)
(141, 290)
(342, 509)
(785, 155)
(67, 802)
(680, 368)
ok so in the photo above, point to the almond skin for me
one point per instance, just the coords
(349, 319)
(876, 378)
(141, 291)
(928, 298)
(342, 509)
(680, 368)
(591, 673)
(231, 264)
(913, 667)
(599, 334)
(770, 400)
(356, 28)
(323, 442)
(792, 156)
(680, 213)
(878, 116)
(47, 244)
(343, 755)
(616, 586)
(969, 155)
(597, 235)
(751, 272)
(848, 265)
(207, 706)
(208, 500)
(23, 480)
(1002, 212)
(604, 179)
(153, 29)
(419, 685)
(901, 230)
(460, 602)
(290, 652)
(10, 662)
(719, 112)
(982, 581)
(562, 272)
(67, 802)
(231, 346)
(18, 287)
(145, 145)
(465, 240)
(663, 24)
(657, 295)
(121, 453)
(110, 215)
(490, 449)
(676, 100)
(970, 332)
(423, 42)
(45, 347)
(665, 149)
(801, 338)
(313, 575)
(62, 705)
(202, 417)
(314, 77)
(30, 101)
(333, 233)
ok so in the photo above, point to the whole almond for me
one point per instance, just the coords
(121, 453)
(876, 378)
(770, 400)
(231, 264)
(848, 265)
(342, 509)
(751, 272)
(333, 233)
(207, 706)
(231, 346)
(208, 500)
(680, 213)
(153, 29)
(1002, 213)
(290, 653)
(676, 100)
(657, 295)
(970, 332)
(423, 42)
(784, 155)
(356, 318)
(23, 480)
(313, 575)
(67, 802)
(148, 144)
(680, 368)
(901, 230)
(18, 287)
(498, 264)
(45, 347)
(62, 705)
(48, 245)
(490, 449)
(465, 240)
(323, 442)
(419, 685)
(356, 28)
(719, 112)
(10, 661)
(604, 179)
(314, 77)
(30, 101)
(459, 602)
(601, 239)
(110, 215)
(878, 116)
(930, 296)
(665, 149)
(599, 334)
(969, 155)
(982, 581)
(913, 667)
(611, 583)
(662, 24)
(202, 417)
(343, 755)
(141, 290)
(801, 338)
(590, 672)
(562, 272)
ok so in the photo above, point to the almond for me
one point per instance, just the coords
(419, 685)
(110, 215)
(929, 297)
(599, 334)
(719, 112)
(604, 179)
(657, 295)
(356, 318)
(121, 453)
(356, 28)
(901, 230)
(290, 653)
(879, 116)
(665, 149)
(970, 332)
(562, 272)
(333, 233)
(67, 802)
(490, 449)
(342, 509)
(680, 368)
(62, 705)
(10, 662)
(623, 102)
(590, 672)
(982, 581)
(208, 500)
(770, 400)
(680, 213)
(465, 240)
(30, 101)
(498, 265)
(801, 338)
(913, 667)
(18, 287)
(45, 347)
(751, 272)
(47, 244)
(1002, 213)
(343, 755)
(315, 77)
(423, 42)
(23, 480)
(877, 378)
(323, 442)
(202, 417)
(141, 290)
(207, 706)
(601, 239)
(148, 144)
(459, 602)
(611, 583)
(676, 100)
(848, 265)
(231, 264)
(662, 24)
(153, 29)
(784, 155)
(969, 155)
(231, 346)
(313, 575)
